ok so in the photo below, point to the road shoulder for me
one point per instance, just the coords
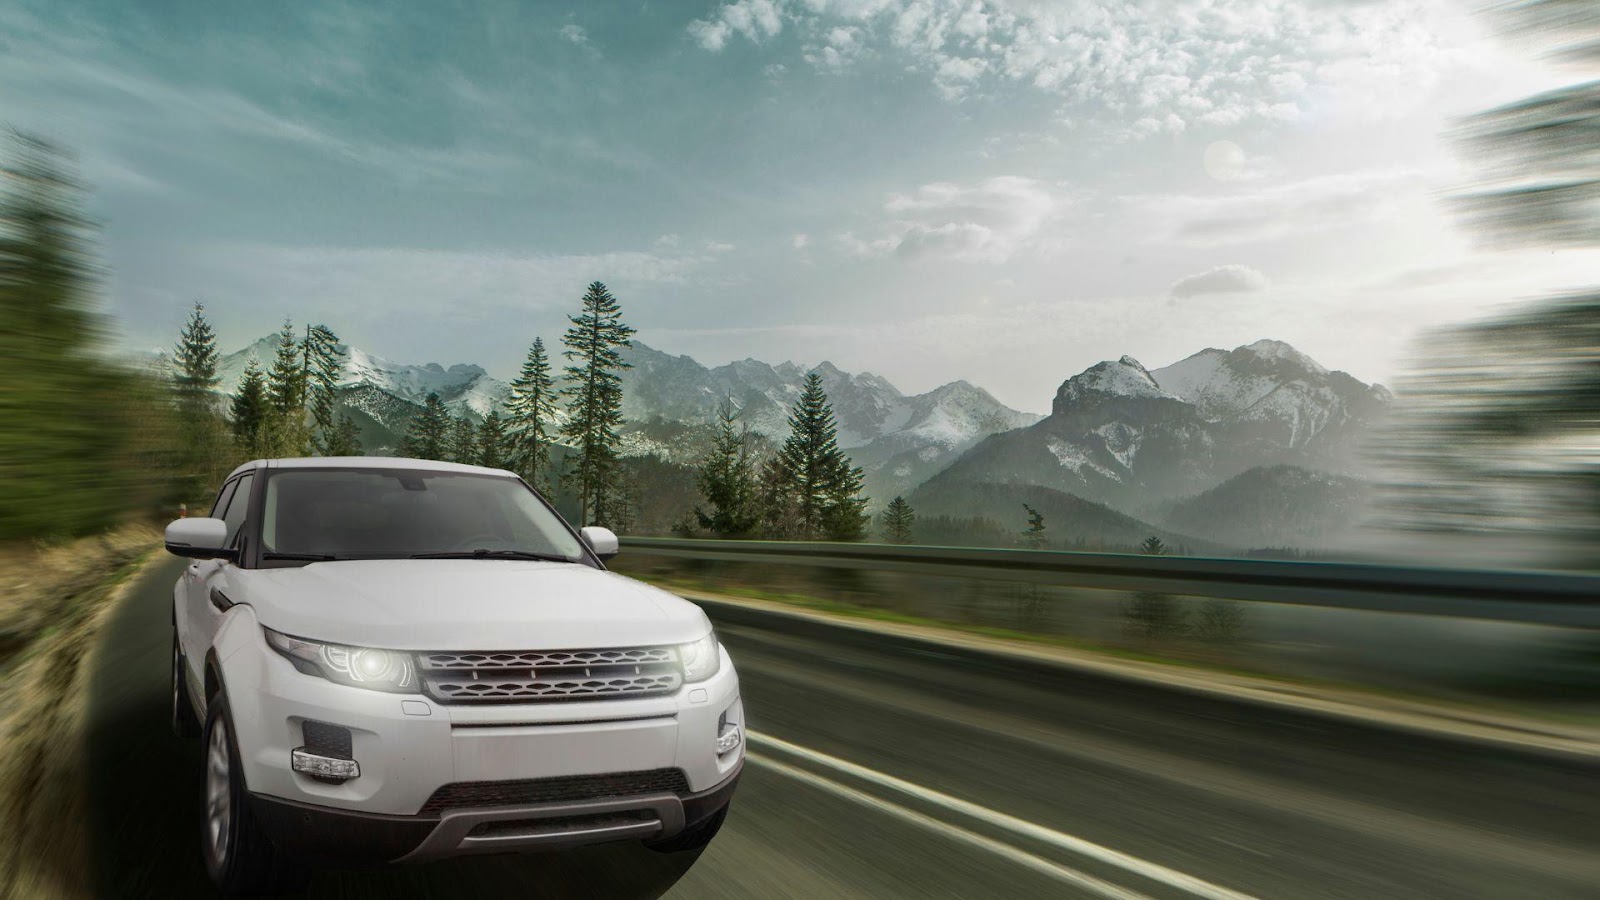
(1408, 715)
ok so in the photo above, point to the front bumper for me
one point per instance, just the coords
(350, 837)
(409, 747)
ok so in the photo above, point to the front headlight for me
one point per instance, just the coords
(700, 659)
(378, 670)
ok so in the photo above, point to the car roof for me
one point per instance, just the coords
(366, 462)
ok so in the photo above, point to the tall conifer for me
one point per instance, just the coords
(594, 345)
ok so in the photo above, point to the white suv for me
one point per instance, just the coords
(403, 660)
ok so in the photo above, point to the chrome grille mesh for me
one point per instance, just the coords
(510, 676)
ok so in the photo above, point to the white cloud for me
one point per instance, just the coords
(801, 241)
(1230, 279)
(718, 247)
(989, 221)
(756, 20)
(1164, 67)
(574, 33)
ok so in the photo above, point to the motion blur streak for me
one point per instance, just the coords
(1054, 870)
(1025, 828)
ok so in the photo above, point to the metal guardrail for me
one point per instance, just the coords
(1570, 600)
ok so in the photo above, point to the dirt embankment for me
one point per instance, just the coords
(52, 602)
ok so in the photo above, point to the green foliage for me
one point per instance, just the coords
(898, 518)
(530, 418)
(428, 435)
(322, 360)
(249, 413)
(493, 444)
(207, 451)
(286, 392)
(345, 440)
(727, 480)
(1033, 536)
(594, 343)
(1220, 621)
(963, 531)
(195, 361)
(462, 444)
(810, 491)
(1153, 546)
(82, 441)
(1154, 617)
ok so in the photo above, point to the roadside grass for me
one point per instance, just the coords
(53, 598)
(1173, 653)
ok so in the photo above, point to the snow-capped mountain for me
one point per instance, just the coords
(1138, 438)
(910, 435)
(869, 409)
(467, 389)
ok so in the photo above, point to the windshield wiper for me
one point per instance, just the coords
(309, 557)
(482, 553)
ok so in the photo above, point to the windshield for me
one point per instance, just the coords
(395, 514)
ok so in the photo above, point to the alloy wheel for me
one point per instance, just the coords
(219, 802)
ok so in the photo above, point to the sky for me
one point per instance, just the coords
(1002, 191)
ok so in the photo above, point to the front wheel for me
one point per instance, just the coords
(241, 860)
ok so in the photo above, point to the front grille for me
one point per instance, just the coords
(547, 675)
(477, 794)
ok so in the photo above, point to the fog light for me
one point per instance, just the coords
(728, 738)
(302, 760)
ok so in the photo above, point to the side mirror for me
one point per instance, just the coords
(198, 539)
(601, 540)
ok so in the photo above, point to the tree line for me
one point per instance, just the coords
(807, 490)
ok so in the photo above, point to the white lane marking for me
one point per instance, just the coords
(1038, 864)
(1143, 868)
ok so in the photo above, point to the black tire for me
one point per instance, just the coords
(695, 838)
(184, 723)
(240, 858)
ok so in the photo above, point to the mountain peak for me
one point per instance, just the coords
(1278, 350)
(1125, 377)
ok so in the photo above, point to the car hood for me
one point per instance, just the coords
(467, 604)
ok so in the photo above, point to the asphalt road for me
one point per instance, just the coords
(884, 768)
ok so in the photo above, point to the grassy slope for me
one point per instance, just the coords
(51, 603)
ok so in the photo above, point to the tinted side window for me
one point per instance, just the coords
(223, 496)
(237, 507)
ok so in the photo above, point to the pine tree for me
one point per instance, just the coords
(249, 411)
(202, 432)
(531, 416)
(322, 361)
(1153, 546)
(492, 441)
(428, 434)
(286, 387)
(727, 479)
(1033, 537)
(898, 519)
(463, 442)
(595, 341)
(810, 482)
(195, 360)
(345, 440)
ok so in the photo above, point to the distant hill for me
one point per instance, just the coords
(1274, 506)
(1071, 522)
